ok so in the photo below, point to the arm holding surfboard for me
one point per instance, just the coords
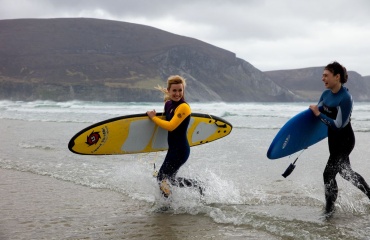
(315, 109)
(344, 110)
(181, 112)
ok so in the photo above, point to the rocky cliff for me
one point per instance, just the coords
(102, 60)
(91, 59)
(307, 83)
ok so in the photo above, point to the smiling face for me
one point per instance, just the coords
(176, 91)
(331, 81)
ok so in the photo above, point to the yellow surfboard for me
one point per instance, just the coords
(138, 134)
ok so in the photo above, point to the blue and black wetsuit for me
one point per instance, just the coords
(335, 112)
(178, 116)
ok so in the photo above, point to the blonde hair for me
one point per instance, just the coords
(175, 79)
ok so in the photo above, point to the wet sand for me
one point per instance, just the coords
(41, 207)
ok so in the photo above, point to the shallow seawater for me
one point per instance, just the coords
(115, 197)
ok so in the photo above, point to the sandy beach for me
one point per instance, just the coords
(40, 207)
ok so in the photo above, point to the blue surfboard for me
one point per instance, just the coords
(300, 132)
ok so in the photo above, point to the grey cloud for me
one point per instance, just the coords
(297, 32)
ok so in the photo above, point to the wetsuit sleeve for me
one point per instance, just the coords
(343, 115)
(181, 112)
(320, 104)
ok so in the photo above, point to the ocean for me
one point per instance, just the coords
(47, 192)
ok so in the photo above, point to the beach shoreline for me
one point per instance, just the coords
(48, 192)
(41, 207)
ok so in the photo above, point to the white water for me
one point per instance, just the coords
(243, 187)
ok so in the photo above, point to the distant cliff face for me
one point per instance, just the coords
(307, 83)
(101, 60)
(90, 59)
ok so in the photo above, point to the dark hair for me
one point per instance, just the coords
(335, 68)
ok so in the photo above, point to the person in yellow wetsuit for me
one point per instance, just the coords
(177, 117)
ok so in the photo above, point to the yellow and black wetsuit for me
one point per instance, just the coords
(178, 116)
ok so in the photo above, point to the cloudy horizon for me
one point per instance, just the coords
(271, 35)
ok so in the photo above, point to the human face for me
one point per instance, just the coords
(331, 81)
(176, 92)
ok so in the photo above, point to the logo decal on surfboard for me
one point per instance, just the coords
(93, 138)
(286, 141)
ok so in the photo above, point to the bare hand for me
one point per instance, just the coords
(315, 110)
(151, 114)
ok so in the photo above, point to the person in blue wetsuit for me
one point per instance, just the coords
(334, 109)
(177, 117)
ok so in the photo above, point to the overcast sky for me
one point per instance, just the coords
(269, 34)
